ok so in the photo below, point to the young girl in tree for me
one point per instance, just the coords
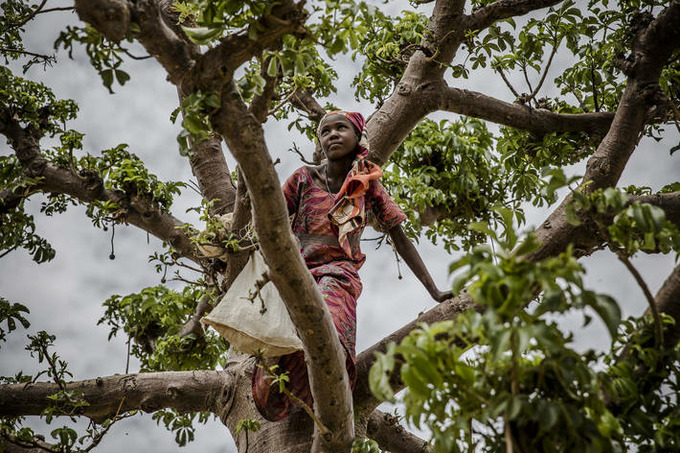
(329, 203)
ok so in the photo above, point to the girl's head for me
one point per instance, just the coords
(356, 122)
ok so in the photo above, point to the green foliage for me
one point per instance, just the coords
(210, 19)
(504, 372)
(34, 104)
(122, 170)
(507, 373)
(365, 446)
(11, 313)
(386, 43)
(447, 174)
(447, 167)
(196, 110)
(17, 229)
(528, 160)
(153, 319)
(106, 57)
(180, 424)
(117, 169)
(15, 15)
(632, 226)
(248, 425)
(644, 385)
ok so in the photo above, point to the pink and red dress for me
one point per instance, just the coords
(335, 269)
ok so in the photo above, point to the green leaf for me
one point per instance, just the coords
(607, 308)
(202, 35)
(272, 67)
(571, 215)
(107, 77)
(378, 375)
(122, 76)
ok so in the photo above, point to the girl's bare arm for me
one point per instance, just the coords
(410, 255)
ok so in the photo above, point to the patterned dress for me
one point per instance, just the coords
(336, 273)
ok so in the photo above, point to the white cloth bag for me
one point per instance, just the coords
(254, 325)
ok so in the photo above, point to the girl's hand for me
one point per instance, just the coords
(441, 296)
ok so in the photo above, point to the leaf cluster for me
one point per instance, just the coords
(153, 319)
(106, 57)
(15, 15)
(196, 127)
(11, 313)
(180, 424)
(505, 373)
(630, 226)
(33, 104)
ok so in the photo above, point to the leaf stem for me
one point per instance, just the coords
(310, 412)
(658, 328)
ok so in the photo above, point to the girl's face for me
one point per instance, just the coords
(338, 137)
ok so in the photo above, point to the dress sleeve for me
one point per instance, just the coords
(386, 211)
(291, 191)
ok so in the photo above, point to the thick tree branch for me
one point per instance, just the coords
(651, 50)
(303, 100)
(391, 436)
(182, 391)
(504, 9)
(210, 167)
(131, 209)
(113, 18)
(422, 89)
(218, 64)
(668, 301)
(164, 40)
(364, 401)
(538, 121)
(585, 238)
(240, 221)
(412, 100)
(328, 377)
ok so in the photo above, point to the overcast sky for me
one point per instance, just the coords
(65, 295)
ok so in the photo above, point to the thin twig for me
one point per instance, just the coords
(523, 65)
(178, 278)
(620, 254)
(26, 52)
(127, 360)
(592, 79)
(135, 57)
(60, 382)
(187, 266)
(8, 251)
(297, 151)
(100, 435)
(658, 328)
(299, 402)
(507, 82)
(57, 8)
(545, 73)
(30, 16)
(282, 103)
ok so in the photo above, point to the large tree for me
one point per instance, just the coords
(237, 65)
